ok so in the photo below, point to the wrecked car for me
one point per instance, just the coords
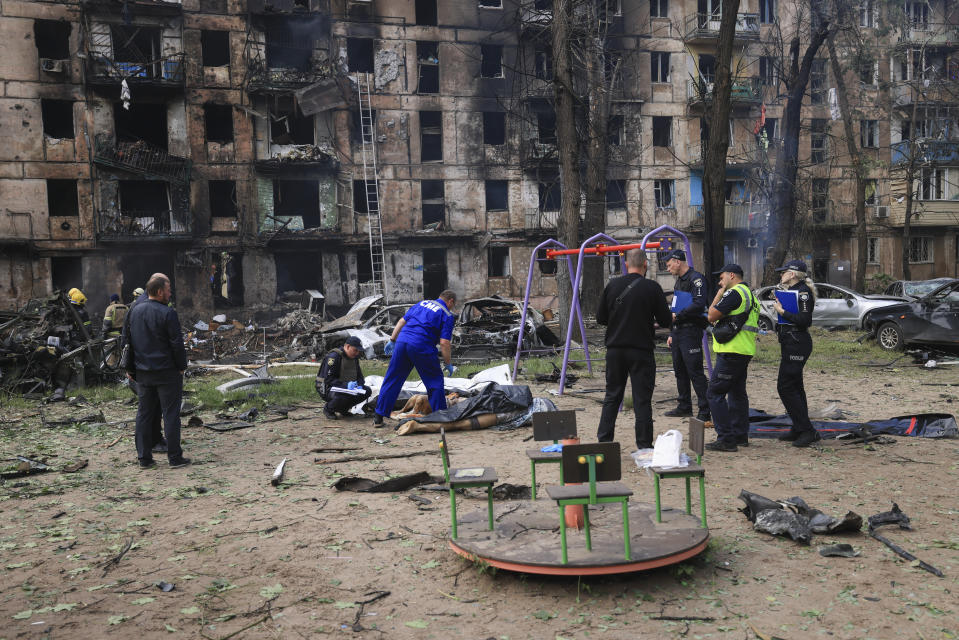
(489, 327)
(931, 320)
(835, 306)
(914, 289)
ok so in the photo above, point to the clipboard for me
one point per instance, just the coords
(681, 300)
(790, 302)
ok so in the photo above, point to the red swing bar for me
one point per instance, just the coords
(599, 249)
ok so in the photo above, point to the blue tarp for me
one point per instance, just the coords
(921, 425)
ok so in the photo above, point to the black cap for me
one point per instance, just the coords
(676, 254)
(114, 297)
(794, 265)
(730, 268)
(353, 341)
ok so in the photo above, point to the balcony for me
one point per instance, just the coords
(534, 19)
(136, 7)
(127, 225)
(290, 157)
(538, 219)
(745, 92)
(535, 154)
(904, 93)
(940, 152)
(166, 73)
(704, 27)
(288, 6)
(929, 34)
(144, 159)
(739, 217)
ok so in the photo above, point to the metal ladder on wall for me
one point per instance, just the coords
(371, 184)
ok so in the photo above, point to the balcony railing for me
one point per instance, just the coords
(706, 25)
(169, 71)
(929, 34)
(128, 224)
(744, 91)
(143, 158)
(533, 152)
(538, 219)
(533, 18)
(940, 152)
(739, 217)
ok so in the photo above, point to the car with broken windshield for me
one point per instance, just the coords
(930, 321)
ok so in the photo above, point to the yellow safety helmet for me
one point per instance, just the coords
(77, 297)
(137, 292)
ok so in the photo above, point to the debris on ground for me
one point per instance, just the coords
(897, 517)
(399, 483)
(795, 518)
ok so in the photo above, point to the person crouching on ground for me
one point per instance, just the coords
(413, 344)
(341, 370)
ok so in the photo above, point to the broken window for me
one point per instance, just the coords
(148, 201)
(615, 194)
(494, 127)
(546, 127)
(298, 198)
(136, 50)
(426, 12)
(659, 66)
(498, 262)
(433, 201)
(360, 202)
(356, 129)
(222, 198)
(615, 130)
(662, 131)
(497, 195)
(869, 134)
(543, 63)
(492, 61)
(431, 136)
(820, 199)
(52, 38)
(57, 118)
(287, 126)
(817, 82)
(215, 47)
(359, 55)
(143, 121)
(550, 195)
(364, 266)
(298, 271)
(62, 198)
(219, 122)
(428, 62)
(434, 272)
(66, 272)
(817, 140)
(664, 193)
(290, 41)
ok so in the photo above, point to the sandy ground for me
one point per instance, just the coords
(253, 561)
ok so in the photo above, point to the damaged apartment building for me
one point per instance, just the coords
(250, 148)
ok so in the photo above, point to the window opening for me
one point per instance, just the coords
(664, 193)
(491, 65)
(298, 198)
(52, 38)
(497, 195)
(494, 128)
(143, 121)
(546, 127)
(359, 197)
(662, 131)
(359, 55)
(659, 66)
(433, 201)
(219, 122)
(62, 198)
(215, 48)
(57, 118)
(431, 136)
(222, 198)
(426, 12)
(543, 63)
(498, 262)
(287, 126)
(428, 61)
(615, 194)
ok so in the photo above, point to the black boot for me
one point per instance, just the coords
(377, 420)
(789, 437)
(678, 412)
(806, 438)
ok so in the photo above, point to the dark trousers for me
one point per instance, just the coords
(687, 351)
(160, 393)
(796, 347)
(405, 357)
(157, 429)
(343, 402)
(640, 366)
(728, 401)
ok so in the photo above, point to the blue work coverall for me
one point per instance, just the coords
(426, 324)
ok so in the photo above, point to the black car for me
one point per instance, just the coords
(931, 320)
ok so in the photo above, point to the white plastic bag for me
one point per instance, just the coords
(667, 449)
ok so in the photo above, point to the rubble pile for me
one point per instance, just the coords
(44, 346)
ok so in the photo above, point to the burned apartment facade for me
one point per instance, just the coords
(222, 142)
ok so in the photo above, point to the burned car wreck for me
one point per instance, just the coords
(489, 328)
(932, 320)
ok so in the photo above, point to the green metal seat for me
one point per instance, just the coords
(464, 478)
(696, 440)
(598, 466)
(555, 426)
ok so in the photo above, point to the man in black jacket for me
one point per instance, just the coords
(686, 339)
(156, 359)
(138, 296)
(628, 308)
(341, 370)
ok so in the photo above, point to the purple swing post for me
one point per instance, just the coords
(689, 261)
(575, 305)
(529, 283)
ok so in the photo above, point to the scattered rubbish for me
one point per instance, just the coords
(76, 466)
(400, 483)
(863, 436)
(24, 467)
(195, 421)
(842, 550)
(278, 473)
(781, 522)
(922, 425)
(165, 587)
(249, 414)
(507, 491)
(227, 426)
(555, 375)
(897, 517)
(793, 517)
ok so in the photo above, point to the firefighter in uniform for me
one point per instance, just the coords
(79, 302)
(735, 311)
(795, 345)
(341, 368)
(686, 339)
(413, 344)
(114, 317)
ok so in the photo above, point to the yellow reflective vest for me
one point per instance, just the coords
(743, 342)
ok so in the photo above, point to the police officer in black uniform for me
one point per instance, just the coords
(341, 369)
(795, 345)
(629, 307)
(686, 339)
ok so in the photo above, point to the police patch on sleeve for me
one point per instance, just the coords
(698, 282)
(331, 362)
(804, 296)
(727, 292)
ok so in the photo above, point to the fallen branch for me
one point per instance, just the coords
(116, 440)
(115, 560)
(375, 457)
(335, 449)
(683, 618)
(239, 631)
